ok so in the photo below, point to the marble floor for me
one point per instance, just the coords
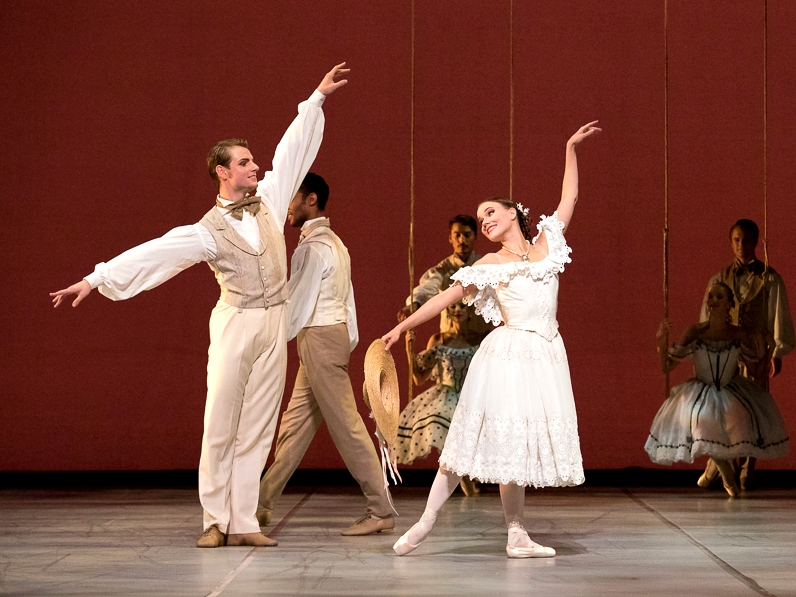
(610, 541)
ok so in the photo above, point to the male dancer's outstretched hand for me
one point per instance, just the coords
(329, 85)
(81, 289)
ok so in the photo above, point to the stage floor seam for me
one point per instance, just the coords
(218, 590)
(610, 542)
(749, 582)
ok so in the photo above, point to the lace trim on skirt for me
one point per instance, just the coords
(689, 451)
(538, 453)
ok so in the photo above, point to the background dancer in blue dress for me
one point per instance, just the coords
(425, 421)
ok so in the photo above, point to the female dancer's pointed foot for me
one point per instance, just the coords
(412, 538)
(470, 487)
(727, 471)
(710, 474)
(520, 545)
(732, 488)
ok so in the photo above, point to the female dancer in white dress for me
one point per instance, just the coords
(515, 423)
(424, 422)
(717, 413)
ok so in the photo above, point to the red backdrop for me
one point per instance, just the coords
(108, 109)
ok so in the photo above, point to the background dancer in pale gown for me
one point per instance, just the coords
(719, 412)
(761, 307)
(425, 421)
(515, 423)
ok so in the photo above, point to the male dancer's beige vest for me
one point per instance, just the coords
(249, 278)
(751, 300)
(331, 308)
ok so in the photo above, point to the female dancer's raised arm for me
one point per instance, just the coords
(569, 188)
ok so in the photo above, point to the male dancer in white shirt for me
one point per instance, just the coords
(242, 239)
(322, 314)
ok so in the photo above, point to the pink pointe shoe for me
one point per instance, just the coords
(521, 546)
(418, 533)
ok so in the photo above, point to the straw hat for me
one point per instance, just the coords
(380, 390)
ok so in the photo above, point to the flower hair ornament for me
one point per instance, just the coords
(522, 209)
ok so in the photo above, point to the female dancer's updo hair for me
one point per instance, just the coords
(728, 290)
(522, 220)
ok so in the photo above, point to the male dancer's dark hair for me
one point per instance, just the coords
(464, 220)
(314, 183)
(747, 226)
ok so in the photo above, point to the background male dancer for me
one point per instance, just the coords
(242, 239)
(322, 313)
(462, 234)
(761, 308)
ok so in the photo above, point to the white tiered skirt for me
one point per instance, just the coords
(697, 419)
(516, 421)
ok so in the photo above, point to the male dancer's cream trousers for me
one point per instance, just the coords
(323, 392)
(246, 370)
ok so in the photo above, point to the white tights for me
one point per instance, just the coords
(511, 496)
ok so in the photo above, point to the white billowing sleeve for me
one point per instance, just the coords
(480, 289)
(149, 265)
(780, 321)
(306, 274)
(557, 249)
(429, 287)
(353, 329)
(293, 157)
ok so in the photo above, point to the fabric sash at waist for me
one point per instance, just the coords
(546, 334)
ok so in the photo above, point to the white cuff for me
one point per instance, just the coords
(93, 279)
(317, 97)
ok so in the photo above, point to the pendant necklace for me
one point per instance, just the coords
(524, 257)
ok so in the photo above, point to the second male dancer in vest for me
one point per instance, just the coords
(322, 314)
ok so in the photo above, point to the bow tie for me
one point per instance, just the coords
(250, 203)
(745, 268)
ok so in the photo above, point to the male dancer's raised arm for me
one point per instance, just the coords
(298, 148)
(150, 264)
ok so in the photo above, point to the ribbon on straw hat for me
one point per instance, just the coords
(380, 393)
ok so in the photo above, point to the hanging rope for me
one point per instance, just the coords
(666, 175)
(765, 136)
(767, 379)
(511, 100)
(411, 256)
